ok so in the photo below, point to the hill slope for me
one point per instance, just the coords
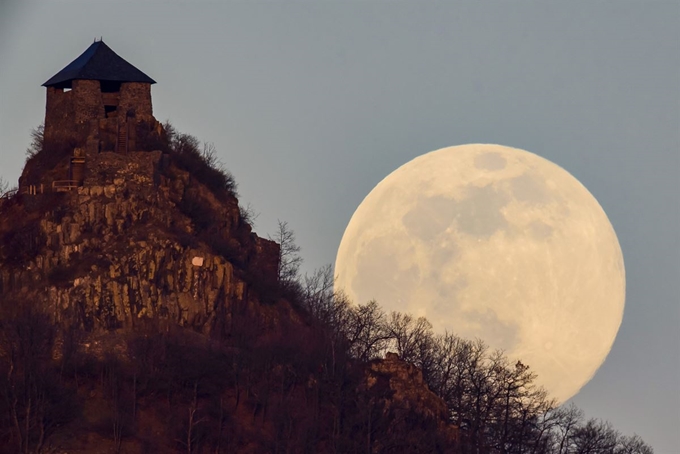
(139, 313)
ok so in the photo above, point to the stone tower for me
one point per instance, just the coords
(96, 104)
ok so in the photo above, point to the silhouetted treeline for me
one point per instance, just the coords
(495, 404)
(299, 388)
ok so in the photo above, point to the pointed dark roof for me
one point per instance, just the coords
(99, 62)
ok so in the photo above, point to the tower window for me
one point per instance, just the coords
(63, 86)
(109, 86)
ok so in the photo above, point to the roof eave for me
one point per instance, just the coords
(51, 82)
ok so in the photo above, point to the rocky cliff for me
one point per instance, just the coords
(397, 388)
(140, 312)
(141, 238)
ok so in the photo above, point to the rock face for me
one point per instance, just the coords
(138, 233)
(141, 238)
(407, 388)
(146, 243)
(397, 389)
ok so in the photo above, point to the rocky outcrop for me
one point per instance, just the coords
(398, 388)
(141, 238)
(407, 388)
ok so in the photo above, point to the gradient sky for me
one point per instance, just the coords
(311, 104)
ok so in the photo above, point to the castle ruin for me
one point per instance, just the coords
(95, 104)
(110, 224)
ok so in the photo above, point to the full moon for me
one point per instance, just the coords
(495, 243)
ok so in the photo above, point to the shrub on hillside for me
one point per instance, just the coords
(200, 160)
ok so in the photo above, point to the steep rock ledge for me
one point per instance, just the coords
(141, 238)
(398, 388)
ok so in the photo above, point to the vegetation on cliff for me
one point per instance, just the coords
(141, 314)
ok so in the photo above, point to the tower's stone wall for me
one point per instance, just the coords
(135, 97)
(87, 100)
(59, 114)
(67, 111)
(85, 117)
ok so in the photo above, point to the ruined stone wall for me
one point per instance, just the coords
(135, 97)
(59, 114)
(77, 117)
(87, 100)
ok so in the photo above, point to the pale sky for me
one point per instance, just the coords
(311, 104)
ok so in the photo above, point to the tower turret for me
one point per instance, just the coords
(99, 84)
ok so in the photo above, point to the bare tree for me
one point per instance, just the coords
(4, 185)
(209, 154)
(201, 160)
(596, 437)
(248, 214)
(568, 420)
(289, 254)
(191, 440)
(37, 141)
(367, 331)
(331, 310)
(409, 335)
(34, 405)
(317, 293)
(633, 445)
